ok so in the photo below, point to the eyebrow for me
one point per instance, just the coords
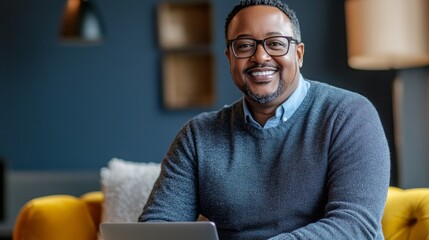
(270, 34)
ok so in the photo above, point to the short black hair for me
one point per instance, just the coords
(274, 3)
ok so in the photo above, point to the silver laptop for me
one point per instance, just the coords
(203, 230)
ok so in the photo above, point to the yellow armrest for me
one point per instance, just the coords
(56, 217)
(94, 201)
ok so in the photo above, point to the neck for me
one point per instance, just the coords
(261, 112)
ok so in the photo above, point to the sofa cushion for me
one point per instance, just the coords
(126, 187)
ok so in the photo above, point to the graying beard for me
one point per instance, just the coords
(265, 98)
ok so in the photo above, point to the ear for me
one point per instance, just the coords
(300, 54)
(228, 55)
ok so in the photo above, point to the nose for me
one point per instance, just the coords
(260, 54)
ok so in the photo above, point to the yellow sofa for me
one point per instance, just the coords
(60, 217)
(64, 217)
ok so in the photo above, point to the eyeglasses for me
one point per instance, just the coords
(275, 46)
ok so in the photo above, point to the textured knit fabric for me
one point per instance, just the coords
(323, 174)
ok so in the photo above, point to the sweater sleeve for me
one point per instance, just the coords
(174, 195)
(358, 178)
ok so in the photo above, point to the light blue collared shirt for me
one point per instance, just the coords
(284, 111)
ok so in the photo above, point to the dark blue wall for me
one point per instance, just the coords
(68, 107)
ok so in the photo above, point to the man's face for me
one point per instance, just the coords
(261, 77)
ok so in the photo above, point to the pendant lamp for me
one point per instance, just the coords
(81, 23)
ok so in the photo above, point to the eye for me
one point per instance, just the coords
(276, 44)
(244, 45)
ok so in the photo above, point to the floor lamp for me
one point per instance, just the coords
(386, 35)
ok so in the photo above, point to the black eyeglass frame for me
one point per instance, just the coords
(263, 43)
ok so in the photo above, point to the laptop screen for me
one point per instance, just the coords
(202, 230)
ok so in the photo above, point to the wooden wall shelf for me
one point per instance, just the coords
(184, 25)
(185, 36)
(188, 80)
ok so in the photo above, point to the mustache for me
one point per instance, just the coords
(263, 65)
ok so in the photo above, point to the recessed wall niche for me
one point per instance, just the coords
(185, 37)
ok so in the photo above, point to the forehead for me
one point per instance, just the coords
(260, 21)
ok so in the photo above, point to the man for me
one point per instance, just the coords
(294, 159)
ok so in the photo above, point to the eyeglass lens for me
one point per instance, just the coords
(274, 46)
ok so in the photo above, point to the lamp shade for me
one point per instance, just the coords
(81, 22)
(387, 34)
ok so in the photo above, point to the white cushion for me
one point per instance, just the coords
(126, 186)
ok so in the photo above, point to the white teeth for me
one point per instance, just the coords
(264, 73)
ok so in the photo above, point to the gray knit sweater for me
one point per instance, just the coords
(323, 174)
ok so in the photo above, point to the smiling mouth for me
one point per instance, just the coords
(261, 73)
(260, 76)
